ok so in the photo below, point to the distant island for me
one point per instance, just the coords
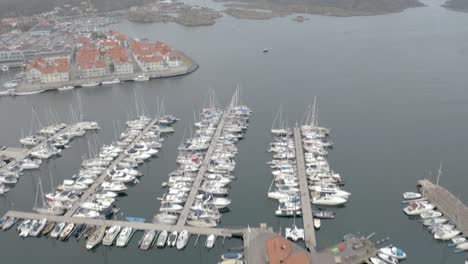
(457, 5)
(264, 9)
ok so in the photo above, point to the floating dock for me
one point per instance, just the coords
(91, 190)
(307, 217)
(17, 155)
(201, 173)
(221, 232)
(446, 203)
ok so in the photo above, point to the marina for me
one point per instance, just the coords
(382, 112)
(443, 214)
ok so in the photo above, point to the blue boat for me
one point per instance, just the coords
(231, 255)
(135, 219)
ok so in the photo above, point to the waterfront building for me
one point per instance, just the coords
(117, 61)
(48, 70)
(90, 63)
(154, 56)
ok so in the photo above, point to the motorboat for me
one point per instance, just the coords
(9, 222)
(462, 246)
(124, 237)
(38, 227)
(430, 214)
(393, 252)
(331, 200)
(113, 81)
(3, 189)
(323, 214)
(416, 208)
(25, 227)
(388, 259)
(182, 239)
(67, 231)
(446, 234)
(58, 230)
(95, 238)
(48, 228)
(434, 221)
(66, 88)
(166, 218)
(172, 239)
(111, 234)
(411, 195)
(210, 240)
(317, 223)
(457, 240)
(294, 233)
(231, 255)
(141, 78)
(161, 242)
(147, 240)
(90, 84)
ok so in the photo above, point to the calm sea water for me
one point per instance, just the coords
(392, 88)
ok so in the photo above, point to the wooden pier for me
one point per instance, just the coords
(307, 217)
(201, 173)
(88, 194)
(446, 203)
(17, 155)
(221, 232)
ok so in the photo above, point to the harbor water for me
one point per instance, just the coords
(392, 88)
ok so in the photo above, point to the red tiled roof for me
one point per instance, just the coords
(150, 59)
(47, 67)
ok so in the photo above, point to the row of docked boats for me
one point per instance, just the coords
(436, 223)
(139, 78)
(323, 183)
(45, 143)
(388, 255)
(108, 172)
(211, 198)
(106, 235)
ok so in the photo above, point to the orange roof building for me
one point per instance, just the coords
(48, 70)
(279, 252)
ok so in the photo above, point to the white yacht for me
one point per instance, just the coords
(331, 200)
(161, 242)
(124, 237)
(416, 208)
(182, 239)
(210, 240)
(113, 81)
(294, 233)
(446, 234)
(66, 88)
(111, 234)
(141, 78)
(430, 214)
(393, 252)
(411, 195)
(90, 84)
